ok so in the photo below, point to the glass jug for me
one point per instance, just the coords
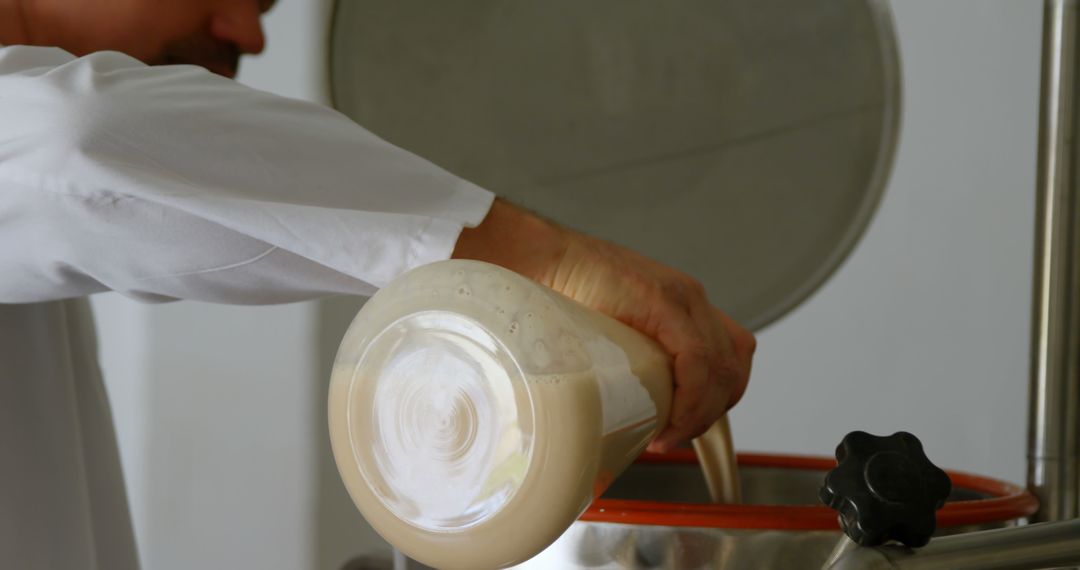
(474, 414)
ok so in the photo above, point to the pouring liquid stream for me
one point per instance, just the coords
(716, 455)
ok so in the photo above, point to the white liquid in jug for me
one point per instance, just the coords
(475, 414)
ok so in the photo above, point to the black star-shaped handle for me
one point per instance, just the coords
(885, 489)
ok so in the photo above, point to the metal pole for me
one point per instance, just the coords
(1055, 396)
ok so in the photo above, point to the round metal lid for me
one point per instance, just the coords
(746, 143)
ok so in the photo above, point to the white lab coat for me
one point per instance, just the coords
(166, 183)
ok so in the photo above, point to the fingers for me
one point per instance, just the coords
(711, 353)
(693, 402)
(744, 345)
(710, 366)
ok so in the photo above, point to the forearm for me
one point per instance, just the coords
(516, 239)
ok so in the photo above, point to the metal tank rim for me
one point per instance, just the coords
(1006, 501)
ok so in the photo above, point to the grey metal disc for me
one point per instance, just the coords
(745, 142)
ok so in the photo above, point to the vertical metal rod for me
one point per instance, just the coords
(1055, 394)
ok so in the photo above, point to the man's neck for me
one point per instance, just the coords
(14, 23)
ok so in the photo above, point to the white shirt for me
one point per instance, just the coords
(167, 183)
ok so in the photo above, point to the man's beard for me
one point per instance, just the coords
(218, 57)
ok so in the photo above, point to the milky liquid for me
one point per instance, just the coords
(475, 414)
(716, 455)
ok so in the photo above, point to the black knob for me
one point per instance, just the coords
(885, 489)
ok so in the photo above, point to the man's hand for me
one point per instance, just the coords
(712, 354)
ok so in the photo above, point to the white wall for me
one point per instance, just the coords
(925, 328)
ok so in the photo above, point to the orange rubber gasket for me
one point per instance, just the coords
(1007, 501)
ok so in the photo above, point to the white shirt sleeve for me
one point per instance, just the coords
(171, 182)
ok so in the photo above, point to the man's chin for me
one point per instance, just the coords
(217, 68)
(215, 57)
(222, 70)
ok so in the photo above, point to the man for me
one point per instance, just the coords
(122, 170)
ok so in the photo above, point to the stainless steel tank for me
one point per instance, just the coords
(658, 516)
